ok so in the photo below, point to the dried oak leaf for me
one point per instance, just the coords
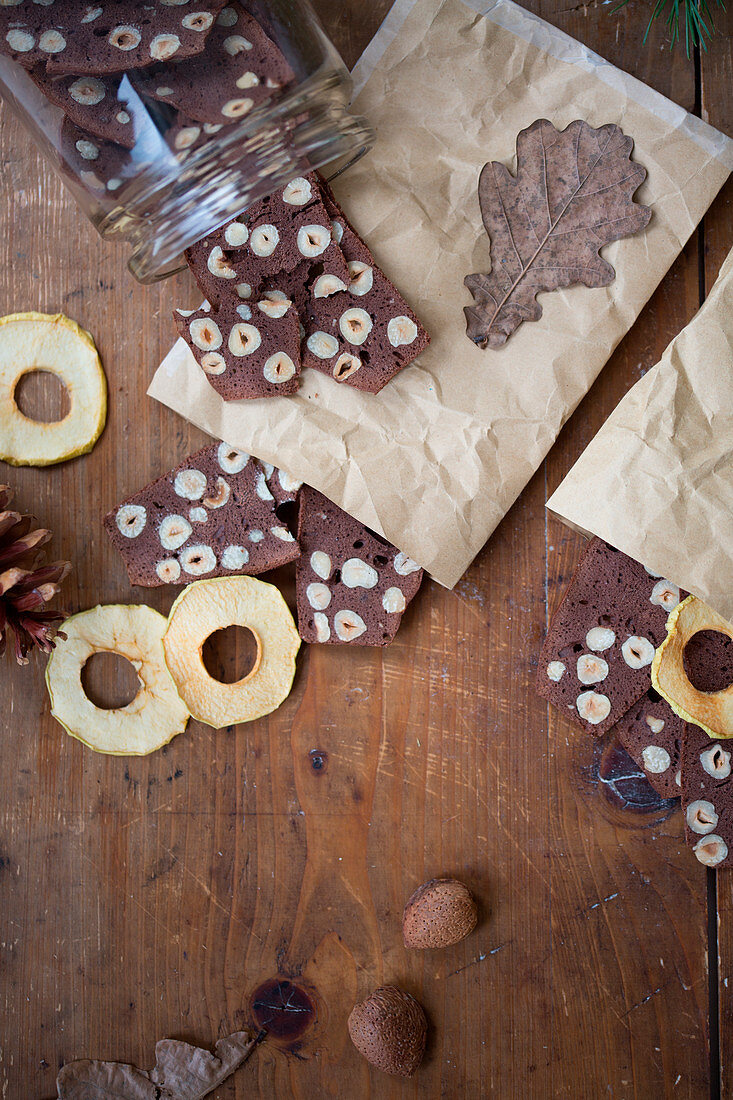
(572, 194)
(181, 1072)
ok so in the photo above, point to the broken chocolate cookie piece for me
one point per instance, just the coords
(351, 586)
(241, 69)
(299, 284)
(212, 269)
(284, 487)
(107, 107)
(707, 796)
(289, 229)
(595, 662)
(246, 350)
(186, 136)
(212, 516)
(105, 166)
(75, 36)
(101, 165)
(363, 334)
(652, 733)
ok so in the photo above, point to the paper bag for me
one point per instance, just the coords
(436, 459)
(657, 480)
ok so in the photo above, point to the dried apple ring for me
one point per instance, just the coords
(210, 605)
(49, 342)
(154, 716)
(711, 710)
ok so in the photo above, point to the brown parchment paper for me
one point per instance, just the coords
(436, 459)
(657, 480)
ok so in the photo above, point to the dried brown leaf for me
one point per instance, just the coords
(88, 1080)
(572, 194)
(181, 1072)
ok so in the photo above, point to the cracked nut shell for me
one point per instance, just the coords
(389, 1029)
(441, 912)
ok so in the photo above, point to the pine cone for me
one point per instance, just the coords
(26, 584)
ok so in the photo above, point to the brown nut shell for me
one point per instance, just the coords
(389, 1029)
(440, 912)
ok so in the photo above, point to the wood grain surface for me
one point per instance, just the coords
(143, 898)
(716, 241)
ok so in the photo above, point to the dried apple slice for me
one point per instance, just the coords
(154, 716)
(711, 710)
(49, 342)
(210, 605)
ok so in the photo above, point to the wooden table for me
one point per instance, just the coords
(151, 897)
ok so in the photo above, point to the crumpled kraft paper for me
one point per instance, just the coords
(657, 479)
(434, 461)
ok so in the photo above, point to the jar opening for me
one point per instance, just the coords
(228, 174)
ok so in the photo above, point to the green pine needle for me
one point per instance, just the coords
(696, 14)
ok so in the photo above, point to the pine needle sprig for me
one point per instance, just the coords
(694, 15)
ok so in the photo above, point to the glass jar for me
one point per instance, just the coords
(176, 177)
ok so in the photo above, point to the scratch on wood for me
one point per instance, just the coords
(644, 1000)
(175, 936)
(510, 837)
(596, 904)
(479, 959)
(470, 607)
